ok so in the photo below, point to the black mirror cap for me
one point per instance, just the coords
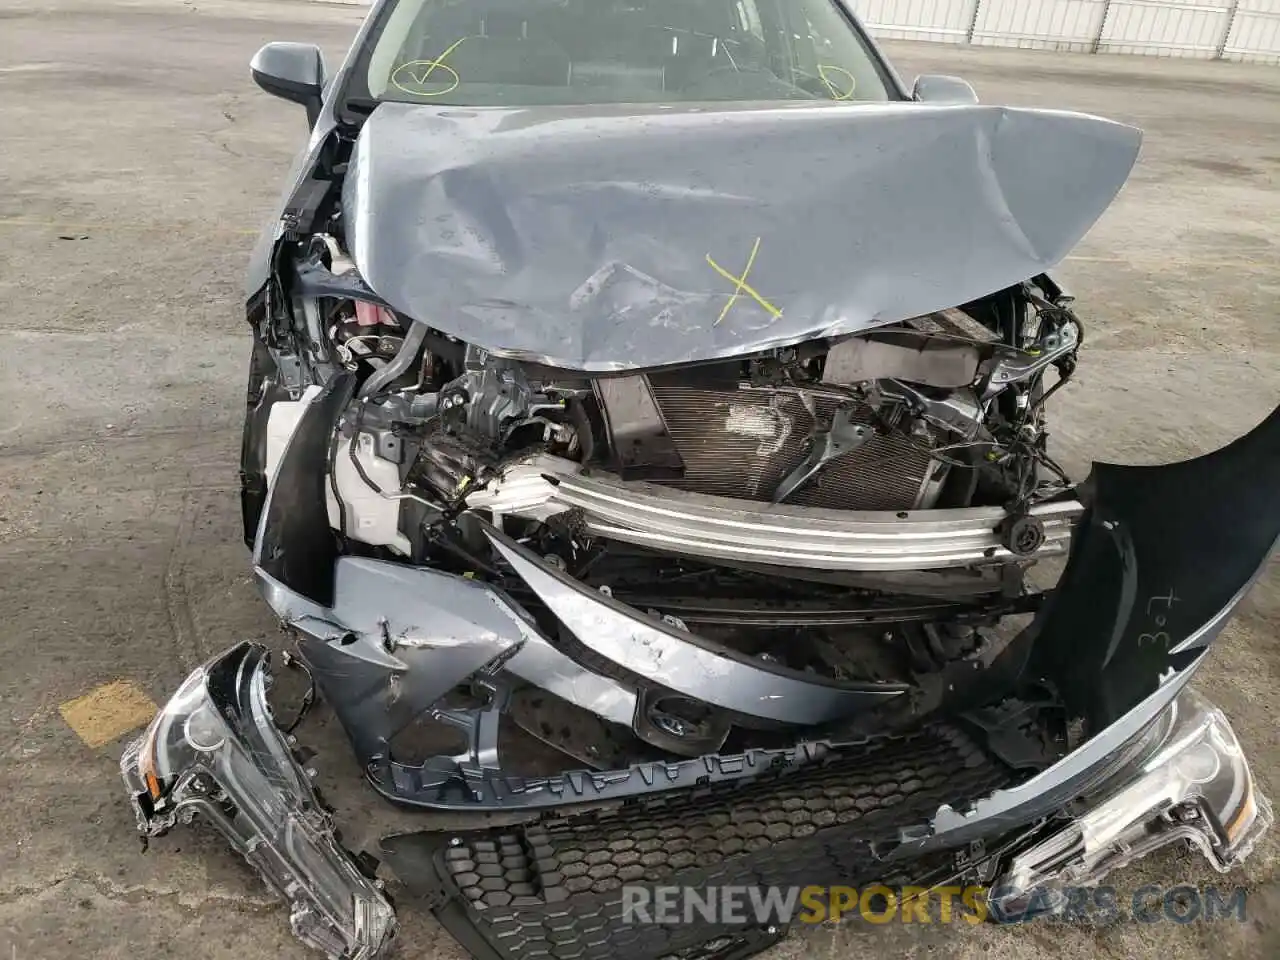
(293, 72)
(939, 88)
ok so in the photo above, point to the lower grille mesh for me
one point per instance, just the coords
(743, 443)
(553, 890)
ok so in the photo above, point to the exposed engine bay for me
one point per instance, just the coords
(639, 487)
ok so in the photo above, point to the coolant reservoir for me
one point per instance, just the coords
(371, 517)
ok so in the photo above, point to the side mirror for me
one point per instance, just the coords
(294, 72)
(937, 88)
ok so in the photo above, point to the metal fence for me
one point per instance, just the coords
(1221, 29)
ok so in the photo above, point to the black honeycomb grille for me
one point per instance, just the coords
(553, 890)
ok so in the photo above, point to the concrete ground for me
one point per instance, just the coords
(137, 159)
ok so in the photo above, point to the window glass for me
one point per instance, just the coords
(527, 52)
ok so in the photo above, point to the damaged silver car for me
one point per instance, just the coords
(666, 380)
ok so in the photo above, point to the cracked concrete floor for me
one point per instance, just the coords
(137, 160)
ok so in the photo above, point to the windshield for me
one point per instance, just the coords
(534, 52)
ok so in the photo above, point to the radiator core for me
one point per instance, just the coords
(744, 442)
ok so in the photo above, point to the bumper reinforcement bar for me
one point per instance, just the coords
(718, 528)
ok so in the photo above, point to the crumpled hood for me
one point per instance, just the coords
(616, 237)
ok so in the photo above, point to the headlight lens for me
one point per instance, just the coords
(215, 750)
(150, 764)
(1196, 786)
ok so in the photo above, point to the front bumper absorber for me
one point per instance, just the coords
(214, 750)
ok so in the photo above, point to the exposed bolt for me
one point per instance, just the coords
(672, 725)
(201, 783)
(771, 930)
(455, 842)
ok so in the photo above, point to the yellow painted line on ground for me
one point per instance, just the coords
(108, 712)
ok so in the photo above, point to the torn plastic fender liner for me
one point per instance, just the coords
(262, 394)
(1165, 557)
(1161, 561)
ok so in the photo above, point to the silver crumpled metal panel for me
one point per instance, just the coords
(616, 237)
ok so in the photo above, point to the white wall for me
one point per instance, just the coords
(1040, 24)
(1255, 34)
(942, 21)
(1230, 29)
(1226, 29)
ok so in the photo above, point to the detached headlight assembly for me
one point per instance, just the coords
(215, 751)
(1195, 787)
